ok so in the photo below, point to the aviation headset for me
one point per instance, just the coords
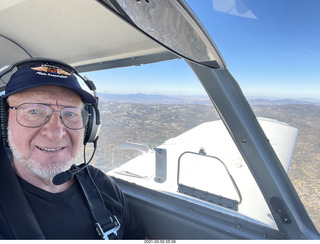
(93, 127)
(66, 78)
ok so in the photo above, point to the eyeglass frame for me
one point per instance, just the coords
(49, 117)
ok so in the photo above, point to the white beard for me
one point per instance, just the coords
(47, 172)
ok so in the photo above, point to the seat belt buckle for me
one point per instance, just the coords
(105, 234)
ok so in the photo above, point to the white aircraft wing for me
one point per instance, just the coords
(205, 173)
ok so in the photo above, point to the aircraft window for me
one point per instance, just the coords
(302, 166)
(150, 117)
(276, 88)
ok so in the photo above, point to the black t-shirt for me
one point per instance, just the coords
(66, 215)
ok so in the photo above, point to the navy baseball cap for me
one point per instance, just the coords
(45, 74)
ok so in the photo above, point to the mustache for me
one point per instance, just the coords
(42, 169)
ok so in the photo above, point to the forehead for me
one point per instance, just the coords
(47, 94)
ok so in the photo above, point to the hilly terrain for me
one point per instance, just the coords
(155, 119)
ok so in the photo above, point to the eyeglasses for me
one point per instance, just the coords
(33, 115)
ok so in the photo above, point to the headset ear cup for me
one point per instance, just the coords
(93, 127)
(4, 107)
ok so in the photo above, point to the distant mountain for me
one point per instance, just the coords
(141, 98)
(152, 99)
(283, 101)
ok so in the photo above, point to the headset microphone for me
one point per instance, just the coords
(65, 176)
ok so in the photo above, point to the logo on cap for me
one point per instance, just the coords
(50, 69)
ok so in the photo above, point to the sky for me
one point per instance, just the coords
(271, 47)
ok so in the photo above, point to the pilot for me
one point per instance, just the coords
(46, 126)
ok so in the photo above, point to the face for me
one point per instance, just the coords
(51, 148)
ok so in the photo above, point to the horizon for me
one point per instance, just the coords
(137, 96)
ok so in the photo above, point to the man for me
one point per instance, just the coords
(46, 126)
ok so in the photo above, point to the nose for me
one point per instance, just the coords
(54, 129)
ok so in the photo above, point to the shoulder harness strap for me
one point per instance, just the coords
(14, 203)
(106, 224)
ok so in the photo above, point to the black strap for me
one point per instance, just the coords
(106, 224)
(14, 203)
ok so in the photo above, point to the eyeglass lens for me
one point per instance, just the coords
(35, 115)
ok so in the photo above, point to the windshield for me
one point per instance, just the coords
(156, 115)
(272, 48)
